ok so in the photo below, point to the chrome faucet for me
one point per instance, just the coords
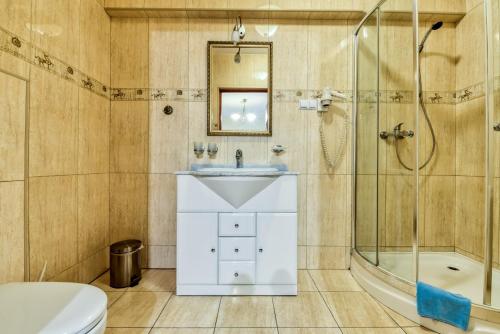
(239, 158)
(397, 133)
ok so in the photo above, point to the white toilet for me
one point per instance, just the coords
(52, 308)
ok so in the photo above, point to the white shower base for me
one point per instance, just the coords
(467, 281)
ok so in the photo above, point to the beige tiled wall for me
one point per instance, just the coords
(177, 59)
(13, 104)
(322, 57)
(14, 77)
(99, 173)
(67, 127)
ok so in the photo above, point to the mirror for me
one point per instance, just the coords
(239, 89)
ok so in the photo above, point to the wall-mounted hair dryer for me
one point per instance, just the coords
(326, 98)
(325, 101)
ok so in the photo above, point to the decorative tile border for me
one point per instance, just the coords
(200, 95)
(24, 50)
(470, 93)
(439, 97)
(294, 95)
(14, 45)
(158, 94)
(430, 97)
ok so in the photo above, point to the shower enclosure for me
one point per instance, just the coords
(426, 146)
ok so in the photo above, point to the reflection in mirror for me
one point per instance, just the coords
(240, 89)
(243, 109)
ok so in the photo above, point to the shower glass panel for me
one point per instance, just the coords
(452, 223)
(366, 143)
(494, 138)
(429, 132)
(397, 148)
(385, 139)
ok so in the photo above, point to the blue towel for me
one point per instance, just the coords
(442, 305)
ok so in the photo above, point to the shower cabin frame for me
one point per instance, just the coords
(489, 98)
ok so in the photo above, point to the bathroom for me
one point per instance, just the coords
(111, 130)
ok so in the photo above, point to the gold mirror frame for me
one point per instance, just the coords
(267, 133)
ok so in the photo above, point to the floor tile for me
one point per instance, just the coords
(156, 280)
(334, 280)
(357, 309)
(246, 312)
(113, 296)
(182, 331)
(103, 283)
(417, 330)
(310, 331)
(305, 310)
(305, 282)
(137, 309)
(246, 331)
(372, 331)
(190, 312)
(398, 318)
(127, 330)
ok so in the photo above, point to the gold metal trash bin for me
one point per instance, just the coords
(125, 263)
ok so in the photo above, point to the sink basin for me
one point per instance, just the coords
(238, 170)
(231, 169)
(237, 190)
(236, 185)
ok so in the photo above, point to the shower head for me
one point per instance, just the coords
(237, 56)
(435, 26)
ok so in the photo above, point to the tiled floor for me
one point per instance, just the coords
(329, 302)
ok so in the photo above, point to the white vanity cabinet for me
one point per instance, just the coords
(276, 262)
(197, 235)
(245, 250)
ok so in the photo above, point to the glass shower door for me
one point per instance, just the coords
(493, 137)
(385, 139)
(397, 150)
(366, 152)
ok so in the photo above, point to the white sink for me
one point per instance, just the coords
(238, 170)
(237, 185)
(237, 190)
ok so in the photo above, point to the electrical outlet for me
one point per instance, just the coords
(308, 104)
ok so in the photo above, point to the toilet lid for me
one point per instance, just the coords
(62, 308)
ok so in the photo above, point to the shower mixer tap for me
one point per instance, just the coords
(397, 133)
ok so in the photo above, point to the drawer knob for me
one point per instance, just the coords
(236, 225)
(260, 250)
(236, 250)
(236, 275)
(213, 250)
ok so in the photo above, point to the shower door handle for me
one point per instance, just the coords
(496, 127)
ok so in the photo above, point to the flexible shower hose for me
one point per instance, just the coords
(339, 152)
(429, 123)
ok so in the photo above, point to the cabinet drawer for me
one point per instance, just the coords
(236, 272)
(237, 224)
(237, 249)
